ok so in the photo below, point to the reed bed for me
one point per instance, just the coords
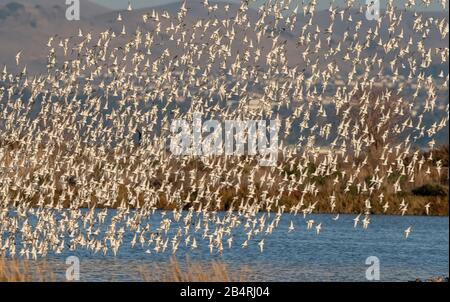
(189, 271)
(12, 270)
(25, 271)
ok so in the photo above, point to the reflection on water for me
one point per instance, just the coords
(337, 254)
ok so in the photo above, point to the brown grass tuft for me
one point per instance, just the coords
(25, 271)
(193, 272)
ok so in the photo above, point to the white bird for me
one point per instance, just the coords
(18, 57)
(427, 208)
(261, 245)
(245, 244)
(356, 221)
(318, 228)
(408, 231)
(291, 227)
(194, 244)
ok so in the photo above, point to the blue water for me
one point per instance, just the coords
(338, 253)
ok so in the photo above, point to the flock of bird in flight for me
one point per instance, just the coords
(69, 152)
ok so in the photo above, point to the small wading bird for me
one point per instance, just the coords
(408, 231)
(18, 57)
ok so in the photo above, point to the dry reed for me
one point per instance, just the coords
(193, 272)
(25, 271)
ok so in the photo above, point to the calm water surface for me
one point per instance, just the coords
(339, 253)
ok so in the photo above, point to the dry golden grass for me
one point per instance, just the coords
(193, 272)
(215, 271)
(25, 271)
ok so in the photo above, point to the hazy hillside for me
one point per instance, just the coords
(27, 26)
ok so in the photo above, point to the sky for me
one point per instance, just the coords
(123, 4)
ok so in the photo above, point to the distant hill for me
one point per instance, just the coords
(26, 26)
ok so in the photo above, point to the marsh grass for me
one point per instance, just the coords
(25, 271)
(172, 271)
(189, 271)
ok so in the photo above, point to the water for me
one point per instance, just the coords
(338, 253)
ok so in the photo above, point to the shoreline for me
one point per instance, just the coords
(261, 211)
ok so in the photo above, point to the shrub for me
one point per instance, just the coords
(430, 190)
